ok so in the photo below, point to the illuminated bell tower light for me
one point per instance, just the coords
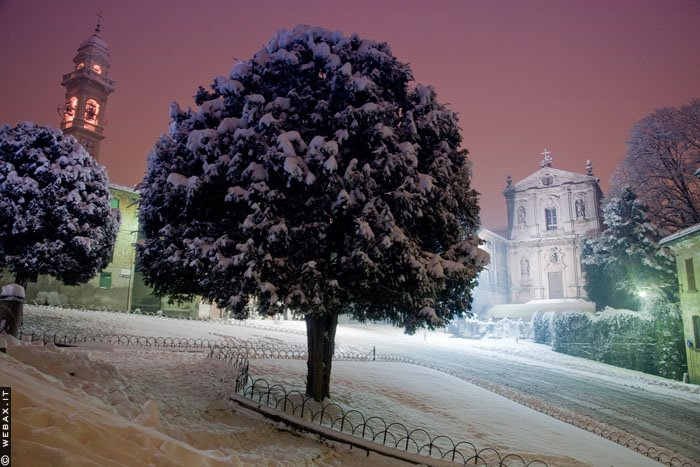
(87, 88)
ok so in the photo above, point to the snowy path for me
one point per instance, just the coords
(656, 409)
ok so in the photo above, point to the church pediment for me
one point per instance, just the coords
(548, 177)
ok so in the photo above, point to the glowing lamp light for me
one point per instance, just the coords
(643, 294)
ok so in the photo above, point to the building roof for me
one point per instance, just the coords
(123, 188)
(680, 235)
(555, 177)
(97, 42)
(484, 232)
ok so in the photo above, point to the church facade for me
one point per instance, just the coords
(538, 254)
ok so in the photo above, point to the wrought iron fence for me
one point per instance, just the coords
(240, 364)
(230, 350)
(256, 348)
(375, 429)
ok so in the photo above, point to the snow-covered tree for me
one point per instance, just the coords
(663, 153)
(318, 178)
(625, 259)
(55, 216)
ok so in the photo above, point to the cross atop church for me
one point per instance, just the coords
(98, 28)
(547, 161)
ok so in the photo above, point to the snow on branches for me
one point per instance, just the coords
(626, 258)
(663, 154)
(55, 216)
(321, 178)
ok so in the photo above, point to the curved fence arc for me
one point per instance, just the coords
(241, 350)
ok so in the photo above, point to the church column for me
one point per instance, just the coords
(596, 207)
(536, 214)
(572, 222)
(540, 272)
(577, 284)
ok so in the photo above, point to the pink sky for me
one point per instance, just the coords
(569, 76)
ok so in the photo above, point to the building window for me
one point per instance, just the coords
(690, 275)
(92, 110)
(105, 280)
(114, 203)
(69, 109)
(550, 216)
(696, 330)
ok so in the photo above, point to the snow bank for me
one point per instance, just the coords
(55, 426)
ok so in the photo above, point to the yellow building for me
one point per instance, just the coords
(685, 245)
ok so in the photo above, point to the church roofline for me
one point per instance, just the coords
(578, 178)
(124, 188)
(491, 232)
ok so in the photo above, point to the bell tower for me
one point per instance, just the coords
(87, 88)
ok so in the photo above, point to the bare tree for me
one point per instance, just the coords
(663, 154)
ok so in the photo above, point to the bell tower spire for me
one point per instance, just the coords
(87, 88)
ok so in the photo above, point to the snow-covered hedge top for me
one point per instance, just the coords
(316, 176)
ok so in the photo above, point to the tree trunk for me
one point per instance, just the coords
(320, 335)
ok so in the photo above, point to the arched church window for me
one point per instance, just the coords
(92, 110)
(69, 109)
(97, 68)
(80, 66)
(550, 217)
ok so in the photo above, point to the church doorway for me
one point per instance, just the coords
(556, 285)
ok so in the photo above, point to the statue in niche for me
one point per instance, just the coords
(580, 209)
(522, 215)
(524, 267)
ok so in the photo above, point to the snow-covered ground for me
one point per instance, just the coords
(84, 406)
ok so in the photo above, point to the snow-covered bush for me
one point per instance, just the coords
(570, 327)
(636, 340)
(555, 327)
(541, 327)
(316, 177)
(55, 216)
